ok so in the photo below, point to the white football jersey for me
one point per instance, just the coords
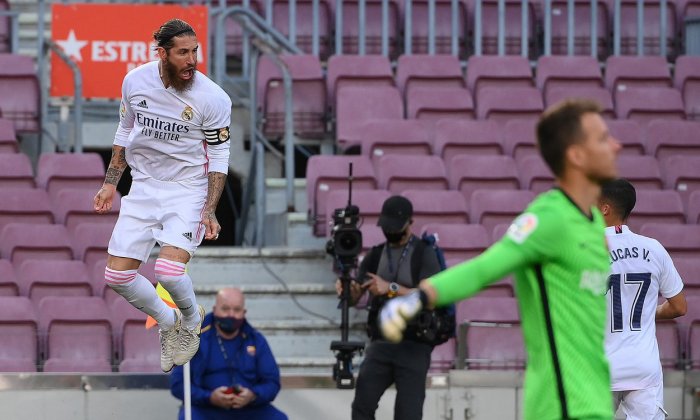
(641, 269)
(171, 135)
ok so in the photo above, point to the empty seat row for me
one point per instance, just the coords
(55, 171)
(396, 174)
(75, 334)
(19, 84)
(441, 85)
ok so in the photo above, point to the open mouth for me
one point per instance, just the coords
(187, 74)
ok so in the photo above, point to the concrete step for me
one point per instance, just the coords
(310, 339)
(214, 266)
(277, 199)
(300, 232)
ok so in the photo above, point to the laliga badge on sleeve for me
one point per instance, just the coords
(250, 350)
(522, 227)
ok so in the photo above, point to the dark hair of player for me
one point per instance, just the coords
(169, 30)
(620, 195)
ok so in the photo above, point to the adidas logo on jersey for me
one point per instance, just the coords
(188, 235)
(142, 104)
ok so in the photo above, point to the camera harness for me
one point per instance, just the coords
(401, 258)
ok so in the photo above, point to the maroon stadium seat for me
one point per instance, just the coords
(18, 327)
(373, 26)
(5, 34)
(443, 26)
(72, 207)
(359, 104)
(689, 270)
(568, 72)
(71, 170)
(308, 96)
(669, 339)
(687, 80)
(39, 279)
(679, 240)
(469, 173)
(642, 171)
(667, 138)
(356, 70)
(692, 320)
(498, 71)
(328, 173)
(582, 28)
(494, 207)
(20, 87)
(403, 137)
(513, 25)
(455, 137)
(138, 348)
(626, 73)
(8, 280)
(598, 94)
(504, 104)
(8, 136)
(22, 241)
(459, 242)
(304, 24)
(428, 71)
(90, 241)
(16, 171)
(535, 175)
(652, 30)
(77, 334)
(442, 358)
(436, 207)
(682, 174)
(233, 29)
(25, 205)
(439, 103)
(519, 138)
(656, 207)
(694, 208)
(629, 134)
(399, 173)
(647, 104)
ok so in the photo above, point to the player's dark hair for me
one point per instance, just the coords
(169, 30)
(620, 195)
(560, 127)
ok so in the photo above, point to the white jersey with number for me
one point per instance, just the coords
(171, 135)
(641, 269)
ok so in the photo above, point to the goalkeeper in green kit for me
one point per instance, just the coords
(558, 252)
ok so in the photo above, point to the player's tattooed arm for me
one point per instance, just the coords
(215, 188)
(117, 165)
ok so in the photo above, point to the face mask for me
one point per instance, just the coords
(393, 237)
(229, 325)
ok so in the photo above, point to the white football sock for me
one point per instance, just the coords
(141, 294)
(172, 276)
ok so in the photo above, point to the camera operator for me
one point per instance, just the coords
(392, 269)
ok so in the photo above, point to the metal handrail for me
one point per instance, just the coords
(77, 94)
(14, 29)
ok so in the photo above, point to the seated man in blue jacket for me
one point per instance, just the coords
(234, 374)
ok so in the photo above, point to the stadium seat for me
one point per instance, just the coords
(513, 26)
(692, 320)
(401, 137)
(493, 207)
(90, 241)
(598, 94)
(687, 79)
(689, 270)
(373, 27)
(469, 173)
(666, 138)
(443, 27)
(499, 231)
(647, 104)
(100, 287)
(439, 103)
(694, 208)
(629, 134)
(16, 171)
(442, 359)
(328, 173)
(652, 30)
(39, 279)
(8, 136)
(448, 207)
(25, 205)
(308, 96)
(502, 288)
(498, 71)
(504, 104)
(682, 175)
(138, 348)
(398, 173)
(304, 24)
(428, 71)
(22, 241)
(492, 339)
(456, 137)
(626, 73)
(669, 340)
(535, 175)
(18, 328)
(5, 34)
(680, 241)
(519, 138)
(642, 171)
(359, 104)
(459, 242)
(368, 201)
(357, 71)
(19, 84)
(656, 207)
(8, 280)
(371, 235)
(568, 72)
(582, 28)
(233, 29)
(56, 171)
(77, 334)
(71, 207)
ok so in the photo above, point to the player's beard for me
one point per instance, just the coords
(178, 83)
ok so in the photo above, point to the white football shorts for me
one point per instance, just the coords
(169, 213)
(642, 404)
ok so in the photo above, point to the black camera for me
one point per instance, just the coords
(346, 238)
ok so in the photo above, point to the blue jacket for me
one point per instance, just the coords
(250, 364)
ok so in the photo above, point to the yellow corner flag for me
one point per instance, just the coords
(165, 296)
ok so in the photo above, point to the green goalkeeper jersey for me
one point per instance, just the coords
(561, 264)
